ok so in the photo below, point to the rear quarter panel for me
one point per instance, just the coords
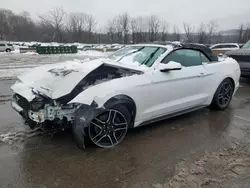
(227, 68)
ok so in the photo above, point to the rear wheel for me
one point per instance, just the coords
(8, 50)
(223, 95)
(109, 128)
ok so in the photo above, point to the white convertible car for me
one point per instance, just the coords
(136, 85)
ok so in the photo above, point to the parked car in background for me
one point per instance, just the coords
(224, 47)
(241, 45)
(4, 47)
(134, 86)
(242, 56)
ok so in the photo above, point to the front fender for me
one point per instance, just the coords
(97, 94)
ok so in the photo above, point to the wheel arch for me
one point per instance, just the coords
(124, 100)
(215, 102)
(215, 87)
(86, 112)
(221, 80)
(232, 80)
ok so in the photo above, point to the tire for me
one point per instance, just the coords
(83, 126)
(223, 95)
(8, 50)
(108, 128)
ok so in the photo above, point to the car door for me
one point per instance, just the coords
(179, 90)
(2, 47)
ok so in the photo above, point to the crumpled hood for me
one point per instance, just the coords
(245, 51)
(54, 80)
(60, 79)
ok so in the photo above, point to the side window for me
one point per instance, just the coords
(185, 57)
(2, 44)
(204, 58)
(232, 46)
(219, 46)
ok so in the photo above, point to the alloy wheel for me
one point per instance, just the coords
(108, 128)
(225, 94)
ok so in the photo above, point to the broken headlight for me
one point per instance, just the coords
(37, 103)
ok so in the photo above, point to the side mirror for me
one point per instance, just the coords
(172, 65)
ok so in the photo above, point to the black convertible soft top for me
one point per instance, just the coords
(207, 51)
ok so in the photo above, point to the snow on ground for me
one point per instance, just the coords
(30, 53)
(14, 63)
(93, 53)
(11, 73)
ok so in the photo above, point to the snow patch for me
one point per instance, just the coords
(12, 138)
(31, 53)
(6, 74)
(92, 53)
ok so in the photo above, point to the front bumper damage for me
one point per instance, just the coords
(51, 112)
(79, 117)
(16, 107)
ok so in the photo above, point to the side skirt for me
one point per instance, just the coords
(170, 115)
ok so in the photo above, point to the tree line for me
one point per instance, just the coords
(58, 26)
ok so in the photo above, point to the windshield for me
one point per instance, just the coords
(141, 55)
(247, 45)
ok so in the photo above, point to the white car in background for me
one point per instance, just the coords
(224, 47)
(5, 47)
(134, 86)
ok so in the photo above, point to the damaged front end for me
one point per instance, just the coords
(39, 103)
(42, 110)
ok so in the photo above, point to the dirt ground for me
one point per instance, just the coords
(208, 149)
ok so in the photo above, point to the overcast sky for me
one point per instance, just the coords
(228, 13)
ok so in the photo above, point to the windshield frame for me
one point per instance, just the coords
(133, 49)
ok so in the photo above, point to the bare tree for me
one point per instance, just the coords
(77, 24)
(135, 29)
(138, 29)
(123, 23)
(246, 35)
(111, 31)
(212, 27)
(153, 27)
(176, 33)
(202, 35)
(164, 30)
(80, 27)
(55, 19)
(4, 29)
(240, 33)
(117, 30)
(90, 27)
(189, 31)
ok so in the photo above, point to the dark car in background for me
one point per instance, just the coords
(242, 56)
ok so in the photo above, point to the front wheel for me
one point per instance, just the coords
(223, 95)
(109, 128)
(8, 50)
